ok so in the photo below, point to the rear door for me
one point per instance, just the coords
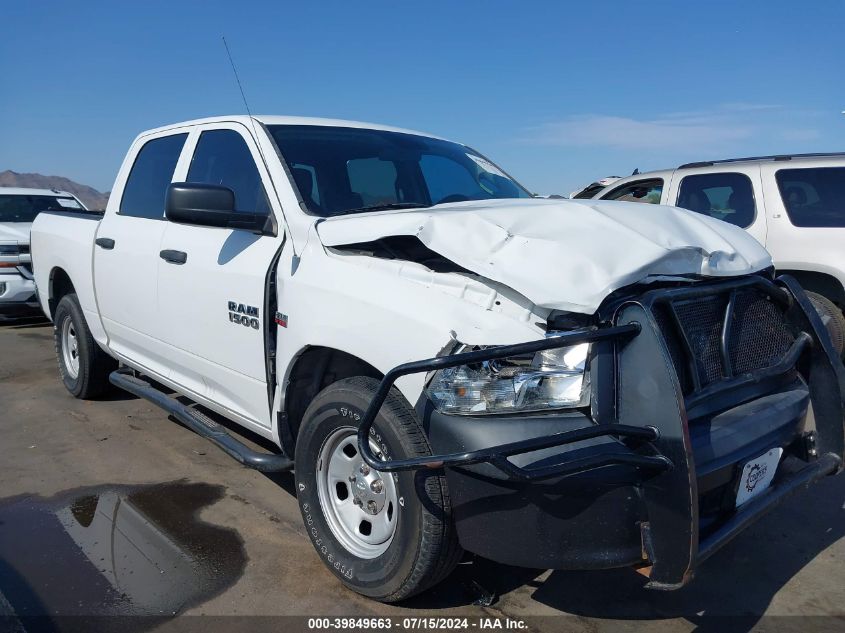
(805, 201)
(213, 304)
(126, 251)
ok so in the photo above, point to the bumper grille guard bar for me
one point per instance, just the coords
(498, 455)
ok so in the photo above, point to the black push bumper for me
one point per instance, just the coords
(650, 475)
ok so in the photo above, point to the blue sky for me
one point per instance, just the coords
(557, 93)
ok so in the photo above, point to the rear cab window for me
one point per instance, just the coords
(646, 191)
(727, 196)
(146, 187)
(813, 196)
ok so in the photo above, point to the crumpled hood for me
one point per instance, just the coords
(15, 232)
(564, 254)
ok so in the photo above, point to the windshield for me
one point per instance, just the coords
(24, 208)
(340, 170)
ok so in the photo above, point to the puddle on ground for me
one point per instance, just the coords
(115, 550)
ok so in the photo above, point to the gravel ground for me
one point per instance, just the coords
(110, 508)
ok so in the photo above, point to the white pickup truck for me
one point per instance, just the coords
(445, 362)
(18, 208)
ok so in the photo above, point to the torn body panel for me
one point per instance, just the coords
(563, 254)
(388, 312)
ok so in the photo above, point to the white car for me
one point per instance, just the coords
(593, 188)
(18, 209)
(444, 361)
(793, 204)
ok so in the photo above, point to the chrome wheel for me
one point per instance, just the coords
(70, 348)
(359, 504)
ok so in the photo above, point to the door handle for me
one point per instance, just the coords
(105, 242)
(174, 257)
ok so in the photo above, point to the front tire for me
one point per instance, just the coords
(832, 318)
(83, 366)
(387, 536)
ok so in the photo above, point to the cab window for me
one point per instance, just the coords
(646, 191)
(724, 196)
(223, 158)
(146, 187)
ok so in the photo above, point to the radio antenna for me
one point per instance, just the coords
(237, 78)
(258, 140)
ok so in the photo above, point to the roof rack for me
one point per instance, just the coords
(709, 163)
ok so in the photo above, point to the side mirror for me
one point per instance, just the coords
(212, 205)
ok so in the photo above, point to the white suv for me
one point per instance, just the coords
(792, 204)
(18, 208)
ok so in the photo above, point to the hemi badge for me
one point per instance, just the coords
(281, 319)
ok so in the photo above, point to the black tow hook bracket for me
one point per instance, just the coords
(809, 450)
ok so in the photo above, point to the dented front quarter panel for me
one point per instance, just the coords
(391, 312)
(522, 259)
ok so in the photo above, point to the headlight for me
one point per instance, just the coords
(551, 379)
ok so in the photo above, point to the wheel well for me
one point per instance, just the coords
(316, 369)
(821, 283)
(60, 285)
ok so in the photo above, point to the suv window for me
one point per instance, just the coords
(647, 191)
(727, 196)
(146, 187)
(223, 158)
(813, 196)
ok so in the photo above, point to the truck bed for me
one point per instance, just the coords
(64, 241)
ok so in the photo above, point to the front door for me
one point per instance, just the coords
(212, 306)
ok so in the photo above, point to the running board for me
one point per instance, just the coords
(202, 425)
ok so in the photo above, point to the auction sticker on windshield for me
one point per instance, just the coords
(757, 475)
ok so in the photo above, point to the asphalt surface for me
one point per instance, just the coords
(108, 507)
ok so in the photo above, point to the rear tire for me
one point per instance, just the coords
(411, 513)
(832, 318)
(83, 366)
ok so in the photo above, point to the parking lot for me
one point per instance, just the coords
(97, 496)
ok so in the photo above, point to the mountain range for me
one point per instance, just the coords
(89, 196)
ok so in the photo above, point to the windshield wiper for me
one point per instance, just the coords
(389, 206)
